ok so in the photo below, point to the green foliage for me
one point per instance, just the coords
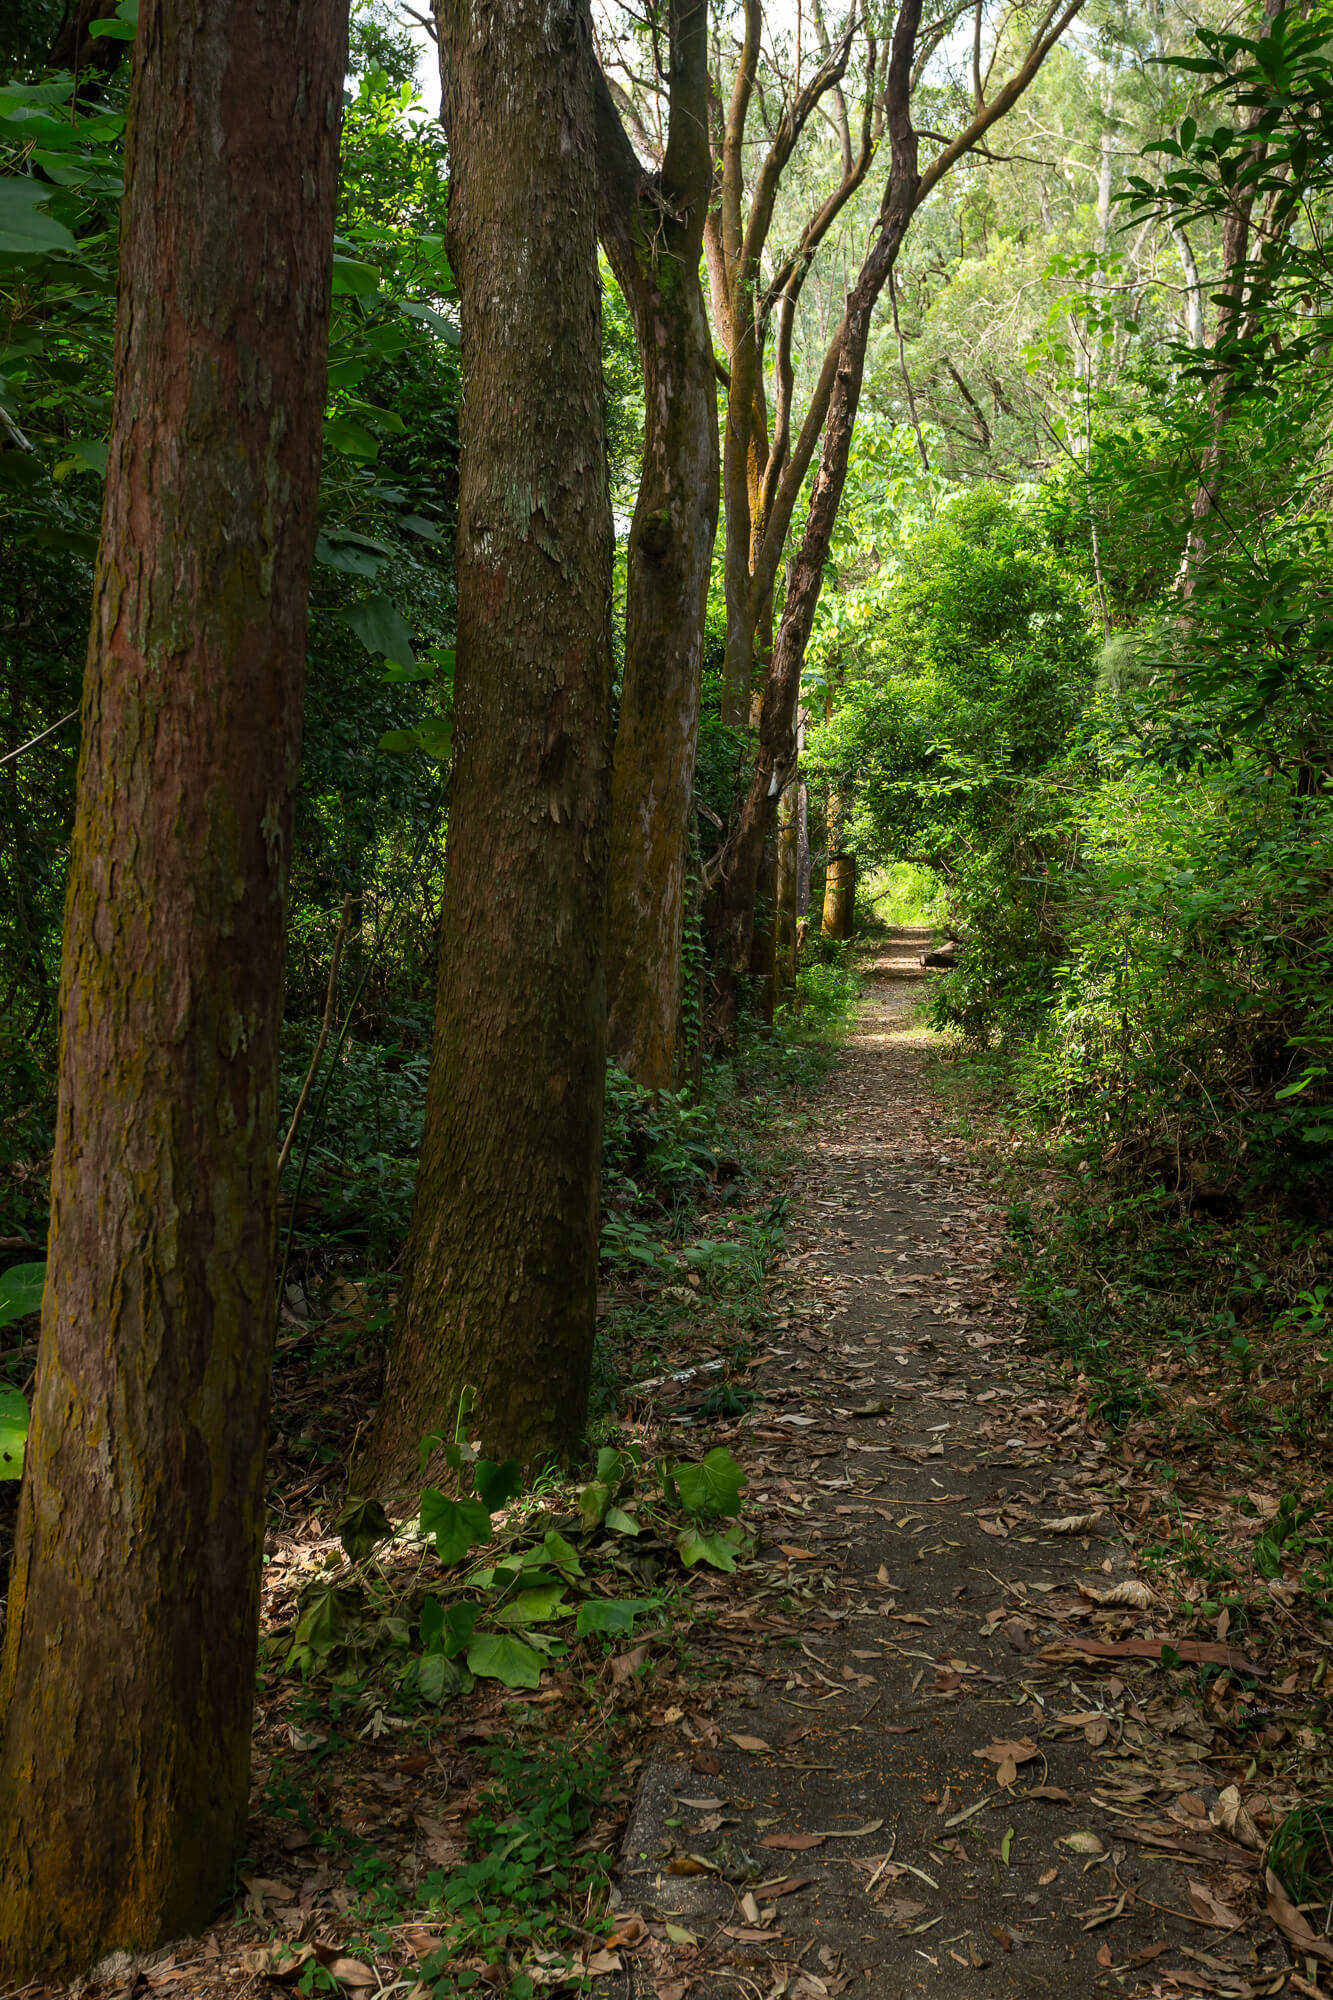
(531, 1881)
(484, 1619)
(978, 668)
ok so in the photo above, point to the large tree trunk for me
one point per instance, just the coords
(129, 1662)
(652, 227)
(500, 1286)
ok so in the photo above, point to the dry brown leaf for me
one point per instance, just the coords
(350, 1971)
(1056, 1793)
(754, 1744)
(1211, 1908)
(1231, 1816)
(793, 1843)
(1006, 1751)
(1192, 1650)
(1292, 1924)
(1073, 1524)
(1081, 1843)
(1130, 1592)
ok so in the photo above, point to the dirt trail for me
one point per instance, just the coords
(849, 1820)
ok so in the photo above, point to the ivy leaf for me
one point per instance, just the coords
(693, 1546)
(621, 1522)
(594, 1501)
(498, 1656)
(608, 1614)
(438, 1676)
(13, 1432)
(457, 1525)
(362, 1526)
(497, 1483)
(533, 1607)
(561, 1553)
(712, 1487)
(21, 1288)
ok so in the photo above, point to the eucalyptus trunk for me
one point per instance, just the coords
(129, 1665)
(499, 1291)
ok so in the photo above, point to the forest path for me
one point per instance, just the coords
(846, 1821)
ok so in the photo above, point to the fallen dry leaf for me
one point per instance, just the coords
(1130, 1592)
(1072, 1524)
(350, 1971)
(794, 1843)
(754, 1744)
(1231, 1815)
(1211, 1908)
(1081, 1843)
(1292, 1924)
(1195, 1651)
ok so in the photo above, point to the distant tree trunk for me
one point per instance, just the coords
(500, 1286)
(788, 893)
(652, 226)
(129, 1662)
(1230, 297)
(839, 898)
(763, 935)
(802, 851)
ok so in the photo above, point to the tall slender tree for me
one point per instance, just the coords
(734, 876)
(500, 1288)
(652, 224)
(128, 1671)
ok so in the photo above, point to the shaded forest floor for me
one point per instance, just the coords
(964, 1718)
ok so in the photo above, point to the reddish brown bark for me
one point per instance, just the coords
(128, 1672)
(500, 1289)
(652, 227)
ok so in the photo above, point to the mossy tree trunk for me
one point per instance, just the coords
(129, 1662)
(652, 226)
(499, 1292)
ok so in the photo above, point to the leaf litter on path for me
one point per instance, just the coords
(1097, 1841)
